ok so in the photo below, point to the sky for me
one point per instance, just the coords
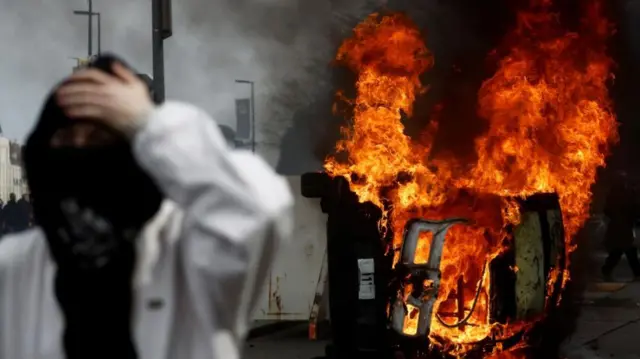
(284, 46)
(214, 43)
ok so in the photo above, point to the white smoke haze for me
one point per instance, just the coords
(215, 42)
(314, 133)
(285, 46)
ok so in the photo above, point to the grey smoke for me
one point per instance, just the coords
(314, 131)
(285, 46)
(214, 43)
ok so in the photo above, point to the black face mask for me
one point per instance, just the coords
(92, 204)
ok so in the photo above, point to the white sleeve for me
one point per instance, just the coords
(236, 210)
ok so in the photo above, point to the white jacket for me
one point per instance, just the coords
(202, 259)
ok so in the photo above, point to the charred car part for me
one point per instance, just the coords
(514, 284)
(534, 256)
(358, 269)
(425, 275)
(360, 275)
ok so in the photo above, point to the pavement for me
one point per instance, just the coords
(609, 325)
(291, 343)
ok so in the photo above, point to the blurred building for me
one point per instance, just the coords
(12, 177)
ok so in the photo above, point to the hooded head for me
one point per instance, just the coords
(91, 199)
(83, 178)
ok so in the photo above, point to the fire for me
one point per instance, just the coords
(550, 125)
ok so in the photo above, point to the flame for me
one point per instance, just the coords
(550, 125)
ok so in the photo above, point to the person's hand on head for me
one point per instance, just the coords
(121, 101)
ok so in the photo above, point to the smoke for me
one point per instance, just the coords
(215, 42)
(459, 32)
(36, 40)
(314, 129)
(266, 41)
(626, 49)
(285, 46)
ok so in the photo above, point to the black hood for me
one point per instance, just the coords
(105, 179)
(91, 203)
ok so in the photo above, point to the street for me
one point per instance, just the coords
(607, 328)
(289, 348)
(610, 319)
(609, 324)
(286, 344)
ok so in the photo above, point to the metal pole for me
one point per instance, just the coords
(158, 51)
(90, 28)
(99, 35)
(253, 119)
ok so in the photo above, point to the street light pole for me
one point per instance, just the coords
(99, 29)
(158, 50)
(99, 34)
(162, 29)
(253, 118)
(90, 14)
(253, 113)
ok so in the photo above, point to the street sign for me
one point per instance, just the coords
(243, 119)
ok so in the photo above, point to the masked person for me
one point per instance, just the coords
(25, 212)
(175, 272)
(2, 224)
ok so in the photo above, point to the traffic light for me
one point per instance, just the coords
(166, 23)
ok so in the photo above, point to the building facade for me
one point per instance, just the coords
(12, 178)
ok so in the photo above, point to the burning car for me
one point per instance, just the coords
(380, 306)
(453, 257)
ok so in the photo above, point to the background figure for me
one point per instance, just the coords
(1, 217)
(11, 215)
(25, 212)
(15, 214)
(31, 220)
(622, 210)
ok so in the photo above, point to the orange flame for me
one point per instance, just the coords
(550, 125)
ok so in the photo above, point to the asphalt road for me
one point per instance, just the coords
(287, 344)
(608, 328)
(284, 349)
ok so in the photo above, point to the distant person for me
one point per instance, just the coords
(622, 210)
(11, 214)
(25, 212)
(31, 220)
(175, 273)
(1, 217)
